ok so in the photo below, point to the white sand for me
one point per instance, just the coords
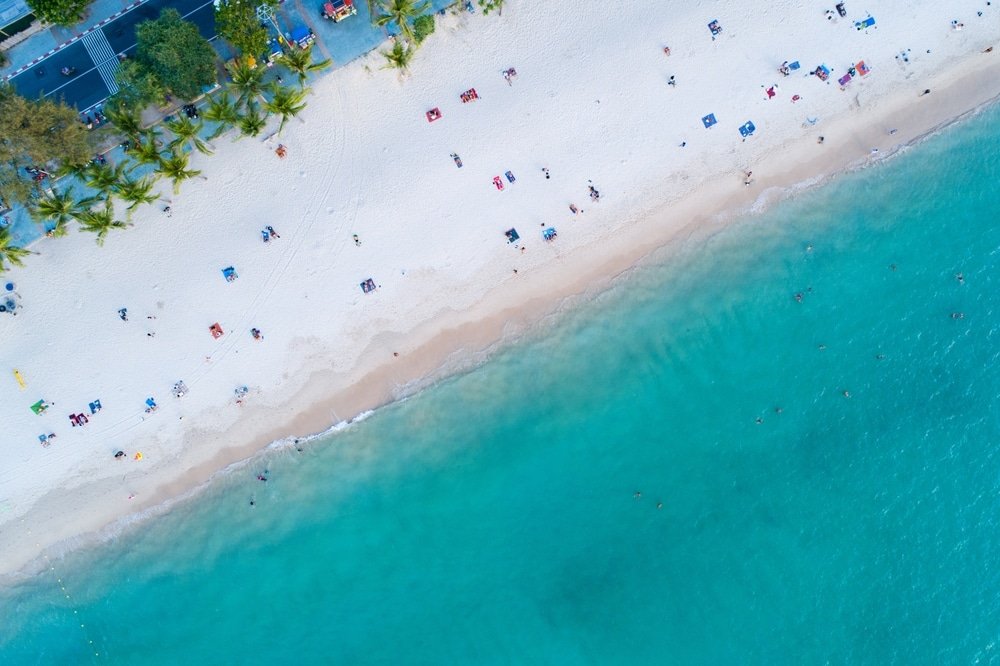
(591, 102)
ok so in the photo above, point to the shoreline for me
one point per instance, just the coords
(452, 340)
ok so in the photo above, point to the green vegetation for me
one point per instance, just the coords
(402, 13)
(35, 133)
(300, 63)
(237, 23)
(60, 12)
(175, 168)
(491, 5)
(286, 103)
(186, 132)
(222, 112)
(253, 121)
(10, 253)
(100, 222)
(137, 87)
(398, 57)
(423, 27)
(173, 51)
(60, 209)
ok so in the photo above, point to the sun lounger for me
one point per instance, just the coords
(865, 24)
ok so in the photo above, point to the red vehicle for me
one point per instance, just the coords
(338, 10)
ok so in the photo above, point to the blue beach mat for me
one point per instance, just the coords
(748, 129)
(709, 120)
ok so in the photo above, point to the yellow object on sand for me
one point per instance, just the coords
(138, 455)
(20, 379)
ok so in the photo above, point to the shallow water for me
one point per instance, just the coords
(492, 518)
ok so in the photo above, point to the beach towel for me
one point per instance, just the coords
(709, 120)
(845, 79)
(747, 129)
(229, 273)
(511, 235)
(862, 68)
(549, 233)
(368, 286)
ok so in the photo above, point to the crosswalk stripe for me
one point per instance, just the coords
(104, 58)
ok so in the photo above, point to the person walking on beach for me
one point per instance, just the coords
(546, 172)
(927, 91)
(748, 179)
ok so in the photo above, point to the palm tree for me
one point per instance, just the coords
(247, 81)
(100, 222)
(300, 63)
(399, 57)
(286, 103)
(185, 132)
(401, 12)
(221, 110)
(176, 169)
(124, 119)
(105, 177)
(135, 192)
(253, 121)
(61, 209)
(9, 252)
(147, 148)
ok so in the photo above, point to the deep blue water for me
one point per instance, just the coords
(492, 519)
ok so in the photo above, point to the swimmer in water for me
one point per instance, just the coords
(637, 495)
(958, 315)
(847, 394)
(960, 278)
(798, 297)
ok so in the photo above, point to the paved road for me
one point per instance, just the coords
(95, 55)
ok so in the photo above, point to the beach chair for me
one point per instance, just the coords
(433, 114)
(216, 330)
(865, 24)
(747, 129)
(709, 120)
(368, 286)
(511, 235)
(230, 274)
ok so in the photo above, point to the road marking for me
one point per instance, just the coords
(104, 57)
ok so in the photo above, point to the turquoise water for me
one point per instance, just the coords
(492, 519)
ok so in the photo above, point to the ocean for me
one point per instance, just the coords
(780, 445)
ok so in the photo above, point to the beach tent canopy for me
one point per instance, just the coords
(709, 120)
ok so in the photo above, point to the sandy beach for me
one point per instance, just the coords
(369, 190)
